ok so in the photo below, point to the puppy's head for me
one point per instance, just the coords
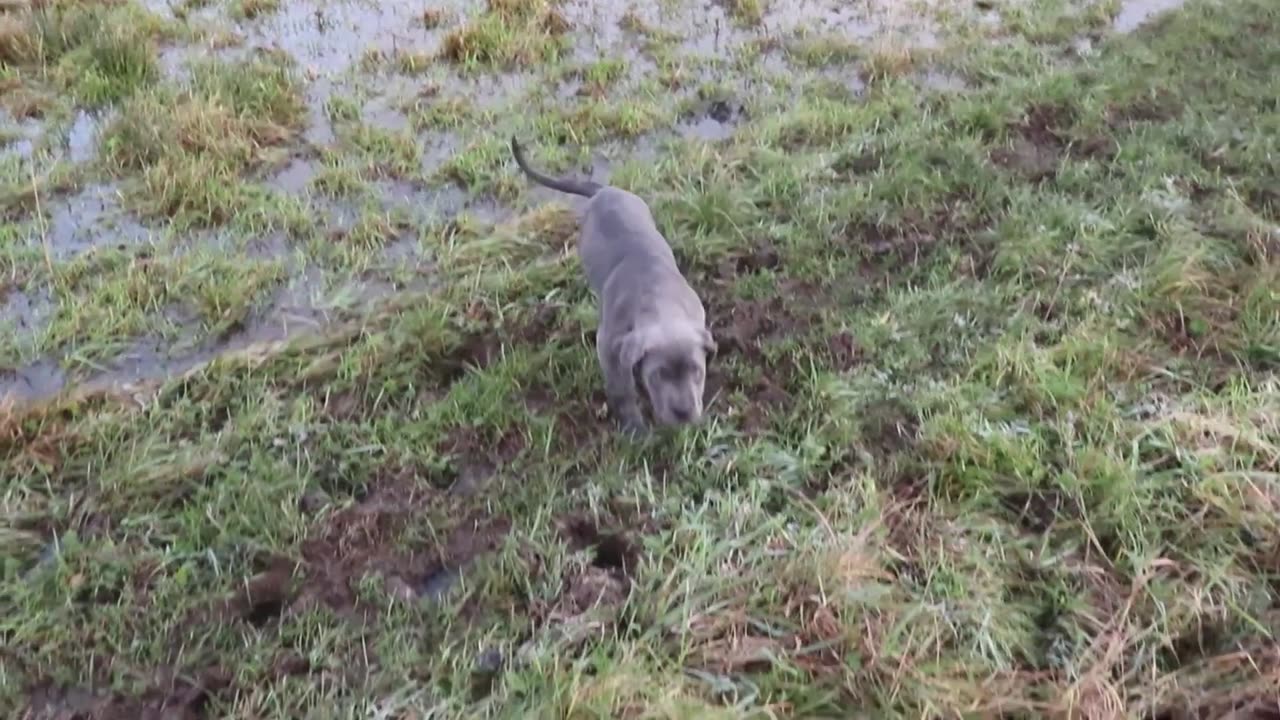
(670, 363)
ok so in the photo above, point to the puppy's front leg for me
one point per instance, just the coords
(620, 387)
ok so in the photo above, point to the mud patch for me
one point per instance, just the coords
(471, 458)
(1037, 144)
(748, 331)
(91, 218)
(369, 538)
(748, 327)
(611, 551)
(261, 600)
(717, 122)
(1034, 162)
(173, 696)
(843, 351)
(589, 604)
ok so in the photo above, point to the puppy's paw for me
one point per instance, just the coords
(634, 426)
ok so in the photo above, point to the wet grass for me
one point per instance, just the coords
(992, 431)
(507, 34)
(184, 151)
(97, 52)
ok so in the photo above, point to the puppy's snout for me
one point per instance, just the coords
(682, 414)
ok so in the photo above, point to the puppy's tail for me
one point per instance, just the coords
(585, 188)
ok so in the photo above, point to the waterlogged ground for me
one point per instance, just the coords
(382, 130)
(299, 415)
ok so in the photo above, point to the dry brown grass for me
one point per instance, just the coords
(18, 44)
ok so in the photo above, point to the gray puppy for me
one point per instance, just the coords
(652, 324)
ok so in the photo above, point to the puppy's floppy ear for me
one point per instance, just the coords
(709, 343)
(633, 346)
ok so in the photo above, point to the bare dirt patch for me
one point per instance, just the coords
(1038, 141)
(472, 458)
(368, 537)
(611, 550)
(746, 330)
(589, 604)
(884, 248)
(173, 696)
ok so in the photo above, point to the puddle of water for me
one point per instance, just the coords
(704, 29)
(20, 137)
(850, 79)
(92, 217)
(24, 313)
(1134, 13)
(401, 196)
(384, 113)
(319, 132)
(82, 137)
(330, 37)
(849, 19)
(163, 8)
(295, 177)
(303, 306)
(706, 128)
(718, 122)
(437, 149)
(28, 384)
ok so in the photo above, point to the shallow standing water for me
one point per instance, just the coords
(348, 52)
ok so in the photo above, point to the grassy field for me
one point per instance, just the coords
(994, 430)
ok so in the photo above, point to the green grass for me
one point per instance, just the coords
(97, 53)
(507, 34)
(746, 12)
(251, 9)
(995, 430)
(184, 150)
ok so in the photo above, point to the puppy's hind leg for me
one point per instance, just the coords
(619, 386)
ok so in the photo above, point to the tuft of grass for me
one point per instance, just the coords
(888, 59)
(433, 18)
(413, 62)
(589, 121)
(447, 113)
(18, 42)
(252, 9)
(476, 166)
(599, 76)
(508, 33)
(746, 12)
(820, 50)
(191, 147)
(99, 52)
(385, 152)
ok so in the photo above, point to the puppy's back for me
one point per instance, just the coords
(618, 228)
